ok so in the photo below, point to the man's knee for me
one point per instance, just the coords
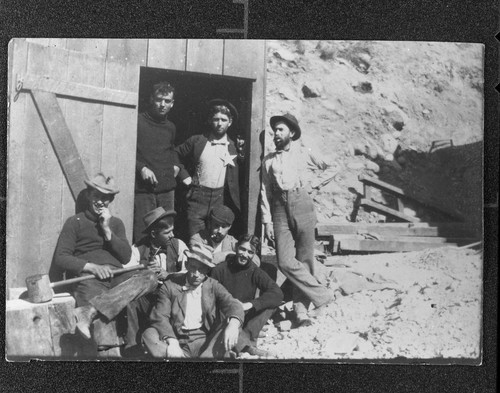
(156, 347)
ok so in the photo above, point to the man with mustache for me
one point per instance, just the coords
(213, 162)
(156, 162)
(289, 218)
(241, 277)
(94, 242)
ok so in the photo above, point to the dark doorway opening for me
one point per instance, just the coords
(192, 92)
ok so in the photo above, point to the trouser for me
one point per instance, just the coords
(294, 221)
(144, 203)
(252, 325)
(201, 201)
(110, 297)
(190, 341)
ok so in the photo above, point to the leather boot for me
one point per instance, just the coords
(84, 317)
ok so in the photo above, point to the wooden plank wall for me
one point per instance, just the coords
(39, 199)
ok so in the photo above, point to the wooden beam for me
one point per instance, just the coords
(444, 229)
(414, 239)
(387, 210)
(387, 246)
(61, 139)
(79, 90)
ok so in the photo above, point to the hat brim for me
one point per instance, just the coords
(198, 258)
(108, 191)
(166, 214)
(231, 107)
(293, 126)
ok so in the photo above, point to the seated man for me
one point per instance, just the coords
(186, 320)
(94, 243)
(241, 277)
(216, 235)
(162, 253)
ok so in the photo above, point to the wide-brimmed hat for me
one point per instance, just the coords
(290, 120)
(226, 103)
(103, 183)
(155, 215)
(222, 215)
(201, 253)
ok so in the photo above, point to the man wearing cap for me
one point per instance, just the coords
(213, 162)
(156, 163)
(94, 242)
(216, 235)
(186, 320)
(289, 218)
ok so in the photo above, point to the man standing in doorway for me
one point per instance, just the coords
(156, 165)
(289, 217)
(212, 159)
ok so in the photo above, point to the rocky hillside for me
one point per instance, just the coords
(408, 113)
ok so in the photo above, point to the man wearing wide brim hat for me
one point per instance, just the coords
(94, 242)
(212, 162)
(291, 221)
(185, 322)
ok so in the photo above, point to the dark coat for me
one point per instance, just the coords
(190, 152)
(168, 314)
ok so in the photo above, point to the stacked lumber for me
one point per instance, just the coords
(395, 237)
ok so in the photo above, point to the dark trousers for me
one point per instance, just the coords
(144, 203)
(253, 324)
(110, 297)
(201, 201)
(191, 343)
(294, 220)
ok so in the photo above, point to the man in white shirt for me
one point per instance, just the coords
(289, 217)
(186, 319)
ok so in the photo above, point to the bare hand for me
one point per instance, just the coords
(246, 306)
(162, 274)
(174, 350)
(104, 218)
(231, 333)
(102, 272)
(149, 176)
(269, 231)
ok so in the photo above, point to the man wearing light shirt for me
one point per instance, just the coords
(289, 217)
(186, 320)
(212, 160)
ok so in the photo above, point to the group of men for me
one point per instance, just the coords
(210, 299)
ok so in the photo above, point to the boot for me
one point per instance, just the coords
(84, 317)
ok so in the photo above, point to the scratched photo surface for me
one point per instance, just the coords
(394, 131)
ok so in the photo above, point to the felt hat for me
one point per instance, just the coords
(290, 120)
(102, 183)
(155, 215)
(222, 215)
(201, 253)
(226, 103)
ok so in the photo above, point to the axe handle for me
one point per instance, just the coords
(83, 278)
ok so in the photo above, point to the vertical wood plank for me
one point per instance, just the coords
(247, 58)
(205, 56)
(94, 46)
(40, 200)
(167, 53)
(16, 142)
(124, 59)
(84, 118)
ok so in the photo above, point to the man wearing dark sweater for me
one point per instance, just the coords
(241, 277)
(156, 163)
(94, 242)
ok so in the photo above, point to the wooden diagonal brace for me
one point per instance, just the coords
(61, 140)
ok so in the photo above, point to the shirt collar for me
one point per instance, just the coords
(285, 150)
(221, 141)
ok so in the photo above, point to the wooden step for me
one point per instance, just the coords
(386, 245)
(440, 229)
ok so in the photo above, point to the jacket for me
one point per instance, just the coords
(167, 316)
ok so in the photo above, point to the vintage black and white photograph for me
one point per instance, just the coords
(245, 200)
